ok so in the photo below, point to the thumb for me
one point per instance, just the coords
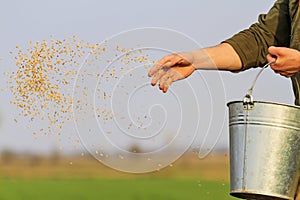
(275, 51)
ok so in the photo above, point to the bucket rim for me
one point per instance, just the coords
(242, 193)
(266, 102)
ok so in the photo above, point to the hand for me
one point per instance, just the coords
(287, 60)
(178, 66)
(172, 68)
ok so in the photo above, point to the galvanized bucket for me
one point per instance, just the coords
(264, 149)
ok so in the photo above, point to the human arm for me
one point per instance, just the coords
(178, 66)
(247, 49)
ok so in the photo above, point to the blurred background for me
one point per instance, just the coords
(47, 168)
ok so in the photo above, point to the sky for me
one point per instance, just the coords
(207, 22)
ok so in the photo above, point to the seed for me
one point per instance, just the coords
(35, 84)
(43, 80)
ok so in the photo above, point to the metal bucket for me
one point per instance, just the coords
(264, 150)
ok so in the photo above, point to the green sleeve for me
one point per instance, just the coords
(272, 29)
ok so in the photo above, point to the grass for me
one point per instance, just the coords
(31, 177)
(113, 189)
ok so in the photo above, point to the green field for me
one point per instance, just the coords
(35, 178)
(110, 189)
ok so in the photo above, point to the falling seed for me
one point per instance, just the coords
(44, 72)
(39, 71)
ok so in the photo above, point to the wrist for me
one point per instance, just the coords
(201, 59)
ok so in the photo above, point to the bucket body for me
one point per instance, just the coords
(264, 150)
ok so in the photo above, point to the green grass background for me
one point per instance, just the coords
(110, 189)
(84, 178)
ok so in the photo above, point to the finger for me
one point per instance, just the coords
(158, 76)
(276, 51)
(271, 58)
(167, 84)
(158, 65)
(154, 69)
(272, 50)
(286, 75)
(277, 71)
(283, 73)
(276, 66)
(163, 80)
(168, 79)
(176, 60)
(167, 62)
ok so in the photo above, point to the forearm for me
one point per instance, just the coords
(220, 57)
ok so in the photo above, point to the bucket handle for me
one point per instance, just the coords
(248, 98)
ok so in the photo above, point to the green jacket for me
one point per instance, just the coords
(279, 27)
